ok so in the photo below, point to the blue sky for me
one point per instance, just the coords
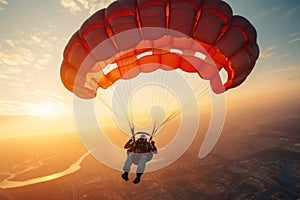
(277, 23)
(278, 27)
(34, 33)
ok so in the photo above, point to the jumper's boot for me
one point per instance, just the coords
(125, 176)
(138, 178)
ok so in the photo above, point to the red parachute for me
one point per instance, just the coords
(229, 43)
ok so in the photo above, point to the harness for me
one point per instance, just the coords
(140, 147)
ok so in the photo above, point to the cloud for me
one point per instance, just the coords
(268, 12)
(21, 54)
(290, 12)
(10, 42)
(284, 55)
(72, 5)
(23, 107)
(84, 3)
(267, 52)
(294, 40)
(16, 107)
(266, 73)
(16, 56)
(284, 69)
(35, 38)
(15, 52)
(38, 40)
(97, 5)
(295, 77)
(3, 2)
(294, 34)
(294, 37)
(43, 61)
(9, 107)
(4, 76)
(77, 6)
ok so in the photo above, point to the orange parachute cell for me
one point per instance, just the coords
(134, 36)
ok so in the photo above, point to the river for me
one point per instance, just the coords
(7, 183)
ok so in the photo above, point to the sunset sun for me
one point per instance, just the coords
(46, 109)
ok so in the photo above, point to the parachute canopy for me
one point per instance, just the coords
(133, 36)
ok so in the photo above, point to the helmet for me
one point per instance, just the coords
(142, 138)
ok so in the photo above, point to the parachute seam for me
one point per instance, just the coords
(246, 40)
(223, 31)
(109, 32)
(71, 49)
(167, 9)
(220, 36)
(227, 65)
(242, 48)
(68, 66)
(137, 16)
(67, 58)
(85, 45)
(91, 28)
(198, 15)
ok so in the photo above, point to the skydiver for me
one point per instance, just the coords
(138, 152)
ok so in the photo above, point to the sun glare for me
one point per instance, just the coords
(46, 109)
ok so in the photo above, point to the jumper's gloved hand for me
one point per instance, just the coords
(152, 143)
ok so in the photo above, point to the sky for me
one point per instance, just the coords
(34, 33)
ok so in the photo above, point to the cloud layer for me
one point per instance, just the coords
(3, 2)
(77, 6)
(19, 54)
